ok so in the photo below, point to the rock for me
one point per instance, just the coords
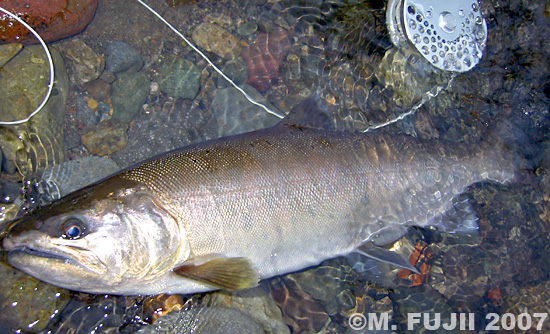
(52, 20)
(247, 28)
(85, 63)
(60, 180)
(256, 303)
(108, 76)
(84, 114)
(235, 114)
(93, 314)
(236, 70)
(175, 125)
(98, 89)
(179, 77)
(264, 57)
(120, 57)
(130, 90)
(525, 303)
(213, 38)
(300, 311)
(8, 51)
(106, 137)
(38, 143)
(220, 19)
(204, 320)
(26, 303)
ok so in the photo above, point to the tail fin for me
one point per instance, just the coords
(514, 139)
(510, 151)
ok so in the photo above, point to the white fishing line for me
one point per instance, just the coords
(50, 63)
(427, 96)
(209, 62)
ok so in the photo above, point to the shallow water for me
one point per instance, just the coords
(342, 51)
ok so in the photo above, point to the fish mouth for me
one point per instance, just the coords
(38, 253)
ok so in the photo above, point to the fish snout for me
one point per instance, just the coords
(7, 244)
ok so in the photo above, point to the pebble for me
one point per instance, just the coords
(85, 114)
(220, 19)
(98, 89)
(130, 91)
(120, 57)
(106, 137)
(247, 28)
(213, 38)
(86, 64)
(179, 77)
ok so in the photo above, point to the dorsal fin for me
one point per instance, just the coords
(310, 113)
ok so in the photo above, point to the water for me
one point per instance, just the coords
(341, 50)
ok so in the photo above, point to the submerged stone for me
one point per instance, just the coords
(130, 91)
(179, 78)
(38, 143)
(235, 114)
(86, 64)
(106, 137)
(120, 57)
(213, 38)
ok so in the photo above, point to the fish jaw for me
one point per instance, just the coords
(128, 243)
(40, 255)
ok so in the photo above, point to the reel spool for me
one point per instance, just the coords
(451, 35)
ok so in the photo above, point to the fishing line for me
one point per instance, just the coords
(50, 64)
(269, 111)
(427, 96)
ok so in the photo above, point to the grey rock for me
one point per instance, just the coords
(236, 70)
(178, 77)
(235, 114)
(130, 91)
(204, 320)
(84, 114)
(257, 303)
(247, 28)
(120, 57)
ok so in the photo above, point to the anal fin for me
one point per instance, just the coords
(374, 252)
(235, 273)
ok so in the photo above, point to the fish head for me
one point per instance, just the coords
(98, 240)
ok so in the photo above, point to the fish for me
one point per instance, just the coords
(226, 213)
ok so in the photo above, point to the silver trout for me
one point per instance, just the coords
(225, 213)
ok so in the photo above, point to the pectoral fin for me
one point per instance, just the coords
(233, 273)
(381, 254)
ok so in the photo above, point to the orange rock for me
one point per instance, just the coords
(52, 19)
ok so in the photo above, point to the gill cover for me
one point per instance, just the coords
(107, 238)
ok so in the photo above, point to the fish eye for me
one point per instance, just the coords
(72, 228)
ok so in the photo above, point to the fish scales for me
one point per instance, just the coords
(270, 189)
(258, 205)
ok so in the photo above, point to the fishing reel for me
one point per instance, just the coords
(451, 35)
